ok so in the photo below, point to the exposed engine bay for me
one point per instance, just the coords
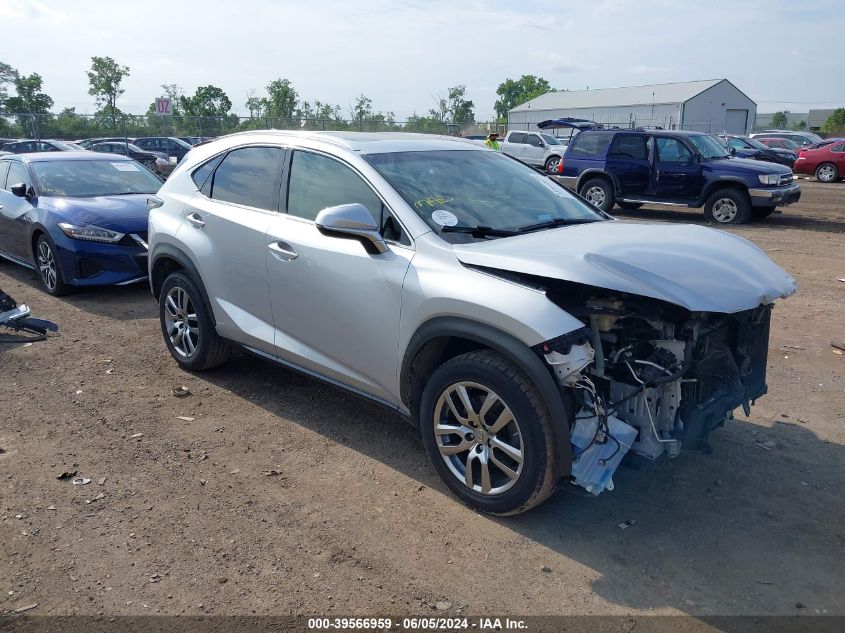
(649, 377)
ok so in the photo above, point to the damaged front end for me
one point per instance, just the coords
(649, 377)
(17, 318)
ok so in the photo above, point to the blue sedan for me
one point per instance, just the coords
(78, 218)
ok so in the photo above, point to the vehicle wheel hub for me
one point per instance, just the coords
(595, 196)
(724, 210)
(826, 173)
(478, 438)
(180, 321)
(47, 265)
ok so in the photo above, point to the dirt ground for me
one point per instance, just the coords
(182, 517)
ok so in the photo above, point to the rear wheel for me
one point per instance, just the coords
(187, 325)
(728, 206)
(629, 205)
(552, 164)
(827, 172)
(488, 433)
(599, 193)
(49, 270)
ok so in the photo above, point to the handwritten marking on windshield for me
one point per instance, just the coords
(432, 201)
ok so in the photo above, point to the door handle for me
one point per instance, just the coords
(283, 251)
(195, 219)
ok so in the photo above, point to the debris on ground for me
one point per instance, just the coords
(234, 471)
(767, 445)
(442, 605)
(68, 474)
(26, 607)
(793, 347)
(546, 569)
(626, 524)
(136, 436)
(838, 347)
(81, 481)
(180, 392)
(272, 473)
(185, 418)
(101, 481)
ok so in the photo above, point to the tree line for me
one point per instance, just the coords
(209, 110)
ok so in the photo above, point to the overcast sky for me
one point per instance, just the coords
(783, 54)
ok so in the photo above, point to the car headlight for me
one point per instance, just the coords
(90, 233)
(769, 179)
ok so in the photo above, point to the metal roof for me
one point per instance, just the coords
(609, 97)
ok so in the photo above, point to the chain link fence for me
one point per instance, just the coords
(70, 127)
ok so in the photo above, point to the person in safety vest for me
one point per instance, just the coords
(493, 141)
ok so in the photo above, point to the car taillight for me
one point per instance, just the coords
(560, 166)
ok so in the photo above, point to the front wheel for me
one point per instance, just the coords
(599, 193)
(488, 433)
(49, 270)
(728, 206)
(187, 325)
(827, 172)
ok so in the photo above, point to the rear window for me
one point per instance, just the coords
(516, 137)
(590, 143)
(629, 146)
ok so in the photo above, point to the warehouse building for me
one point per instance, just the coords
(713, 105)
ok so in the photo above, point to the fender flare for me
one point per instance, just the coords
(180, 257)
(514, 350)
(729, 181)
(589, 173)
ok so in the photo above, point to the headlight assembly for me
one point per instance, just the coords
(769, 179)
(90, 233)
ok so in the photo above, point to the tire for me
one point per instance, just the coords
(199, 347)
(528, 434)
(551, 164)
(599, 193)
(827, 172)
(631, 206)
(48, 267)
(760, 213)
(728, 206)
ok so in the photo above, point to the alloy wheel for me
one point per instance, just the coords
(47, 265)
(724, 210)
(825, 173)
(595, 196)
(552, 165)
(181, 322)
(478, 438)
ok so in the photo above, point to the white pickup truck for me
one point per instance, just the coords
(537, 149)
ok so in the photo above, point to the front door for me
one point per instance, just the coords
(14, 218)
(335, 306)
(677, 174)
(533, 151)
(224, 227)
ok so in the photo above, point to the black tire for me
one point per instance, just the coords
(204, 348)
(551, 163)
(829, 174)
(760, 213)
(537, 478)
(728, 206)
(599, 193)
(631, 206)
(52, 280)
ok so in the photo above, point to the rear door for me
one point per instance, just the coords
(336, 306)
(837, 153)
(677, 175)
(628, 160)
(224, 227)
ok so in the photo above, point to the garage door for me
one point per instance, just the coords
(736, 121)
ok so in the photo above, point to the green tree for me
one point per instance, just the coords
(362, 110)
(452, 106)
(835, 122)
(780, 119)
(800, 126)
(254, 105)
(29, 97)
(516, 92)
(7, 77)
(105, 78)
(281, 99)
(207, 101)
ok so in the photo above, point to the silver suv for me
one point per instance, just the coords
(537, 149)
(531, 338)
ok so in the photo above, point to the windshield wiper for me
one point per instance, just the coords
(549, 224)
(478, 231)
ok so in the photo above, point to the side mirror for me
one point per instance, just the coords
(733, 151)
(352, 220)
(19, 190)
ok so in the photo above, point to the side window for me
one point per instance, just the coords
(317, 182)
(838, 148)
(201, 174)
(4, 169)
(672, 150)
(533, 139)
(17, 175)
(516, 137)
(628, 146)
(590, 143)
(142, 143)
(736, 143)
(250, 176)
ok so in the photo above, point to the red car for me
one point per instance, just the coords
(826, 163)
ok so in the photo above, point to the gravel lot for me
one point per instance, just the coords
(279, 495)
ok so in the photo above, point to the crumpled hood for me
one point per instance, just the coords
(124, 214)
(700, 269)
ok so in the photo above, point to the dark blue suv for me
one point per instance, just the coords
(691, 169)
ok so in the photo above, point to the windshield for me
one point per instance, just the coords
(707, 146)
(88, 178)
(551, 140)
(753, 142)
(815, 138)
(466, 188)
(179, 141)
